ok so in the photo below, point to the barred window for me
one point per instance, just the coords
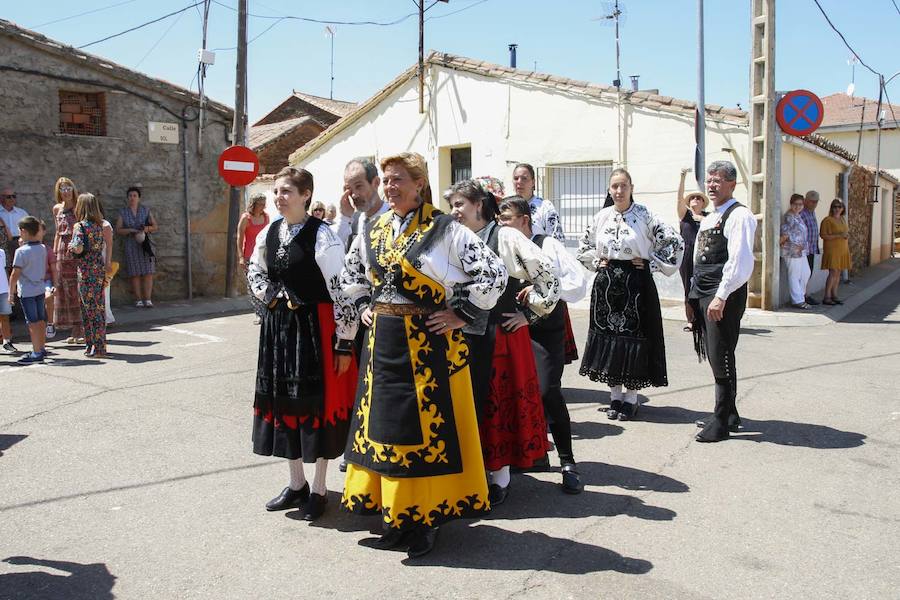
(82, 113)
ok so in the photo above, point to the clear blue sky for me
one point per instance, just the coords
(658, 40)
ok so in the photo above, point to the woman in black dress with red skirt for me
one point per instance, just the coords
(306, 374)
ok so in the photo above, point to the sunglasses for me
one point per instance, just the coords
(66, 188)
(6, 196)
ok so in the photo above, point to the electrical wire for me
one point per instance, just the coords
(890, 106)
(82, 14)
(459, 10)
(895, 6)
(165, 33)
(846, 43)
(321, 21)
(142, 25)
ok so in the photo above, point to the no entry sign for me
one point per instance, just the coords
(238, 165)
(799, 113)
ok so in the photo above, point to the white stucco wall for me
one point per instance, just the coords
(890, 146)
(508, 122)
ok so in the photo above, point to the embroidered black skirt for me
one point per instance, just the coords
(625, 344)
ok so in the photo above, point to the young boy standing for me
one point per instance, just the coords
(5, 309)
(27, 280)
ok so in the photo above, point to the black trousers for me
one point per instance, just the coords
(549, 346)
(721, 338)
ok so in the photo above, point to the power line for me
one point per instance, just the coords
(165, 33)
(87, 12)
(321, 21)
(895, 6)
(846, 43)
(459, 10)
(891, 106)
(115, 35)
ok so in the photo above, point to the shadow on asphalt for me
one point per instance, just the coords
(627, 478)
(489, 547)
(7, 441)
(783, 433)
(83, 581)
(130, 343)
(591, 430)
(877, 309)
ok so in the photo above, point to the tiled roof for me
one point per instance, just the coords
(102, 65)
(841, 109)
(339, 108)
(826, 144)
(583, 88)
(260, 135)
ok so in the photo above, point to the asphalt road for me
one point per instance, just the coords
(133, 478)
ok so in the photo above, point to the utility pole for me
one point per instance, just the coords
(204, 62)
(421, 57)
(700, 122)
(878, 144)
(421, 4)
(764, 140)
(330, 33)
(239, 130)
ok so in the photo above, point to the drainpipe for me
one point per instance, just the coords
(187, 208)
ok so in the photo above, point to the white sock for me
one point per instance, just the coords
(318, 484)
(631, 396)
(615, 392)
(298, 477)
(500, 477)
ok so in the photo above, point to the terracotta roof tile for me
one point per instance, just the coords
(260, 135)
(338, 108)
(841, 109)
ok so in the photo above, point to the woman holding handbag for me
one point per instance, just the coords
(134, 224)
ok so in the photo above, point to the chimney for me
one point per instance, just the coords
(512, 55)
(634, 82)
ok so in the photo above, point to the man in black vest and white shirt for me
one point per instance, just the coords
(360, 202)
(723, 262)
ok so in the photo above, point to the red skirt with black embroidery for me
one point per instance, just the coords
(513, 428)
(302, 407)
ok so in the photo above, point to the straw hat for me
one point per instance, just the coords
(689, 195)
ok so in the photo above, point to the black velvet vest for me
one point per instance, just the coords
(507, 302)
(711, 257)
(295, 266)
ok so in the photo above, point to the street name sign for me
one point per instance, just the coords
(162, 133)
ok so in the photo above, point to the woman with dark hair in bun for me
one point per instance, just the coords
(625, 244)
(504, 378)
(306, 373)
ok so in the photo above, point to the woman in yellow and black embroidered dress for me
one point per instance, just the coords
(417, 276)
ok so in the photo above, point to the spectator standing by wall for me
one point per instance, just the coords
(793, 242)
(691, 209)
(252, 222)
(808, 215)
(134, 223)
(11, 214)
(67, 307)
(836, 255)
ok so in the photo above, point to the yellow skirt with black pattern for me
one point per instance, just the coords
(414, 453)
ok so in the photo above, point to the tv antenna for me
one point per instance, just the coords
(329, 31)
(614, 15)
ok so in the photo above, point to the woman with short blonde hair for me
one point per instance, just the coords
(67, 314)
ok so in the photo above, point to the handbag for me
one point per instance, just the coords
(146, 244)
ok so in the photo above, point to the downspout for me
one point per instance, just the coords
(187, 208)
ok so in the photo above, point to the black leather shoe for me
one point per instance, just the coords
(392, 538)
(628, 412)
(342, 467)
(422, 542)
(497, 495)
(315, 506)
(811, 300)
(612, 413)
(707, 437)
(733, 426)
(571, 480)
(289, 498)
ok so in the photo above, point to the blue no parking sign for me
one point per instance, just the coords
(799, 113)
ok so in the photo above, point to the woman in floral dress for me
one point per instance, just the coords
(91, 243)
(135, 222)
(65, 275)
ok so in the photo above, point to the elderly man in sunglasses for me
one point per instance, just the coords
(11, 214)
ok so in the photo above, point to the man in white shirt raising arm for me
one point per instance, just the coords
(723, 262)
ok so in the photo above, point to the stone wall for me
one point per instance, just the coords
(36, 154)
(860, 216)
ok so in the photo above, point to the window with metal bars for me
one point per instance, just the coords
(460, 164)
(82, 113)
(577, 190)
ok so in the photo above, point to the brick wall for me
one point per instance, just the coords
(295, 107)
(274, 156)
(860, 217)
